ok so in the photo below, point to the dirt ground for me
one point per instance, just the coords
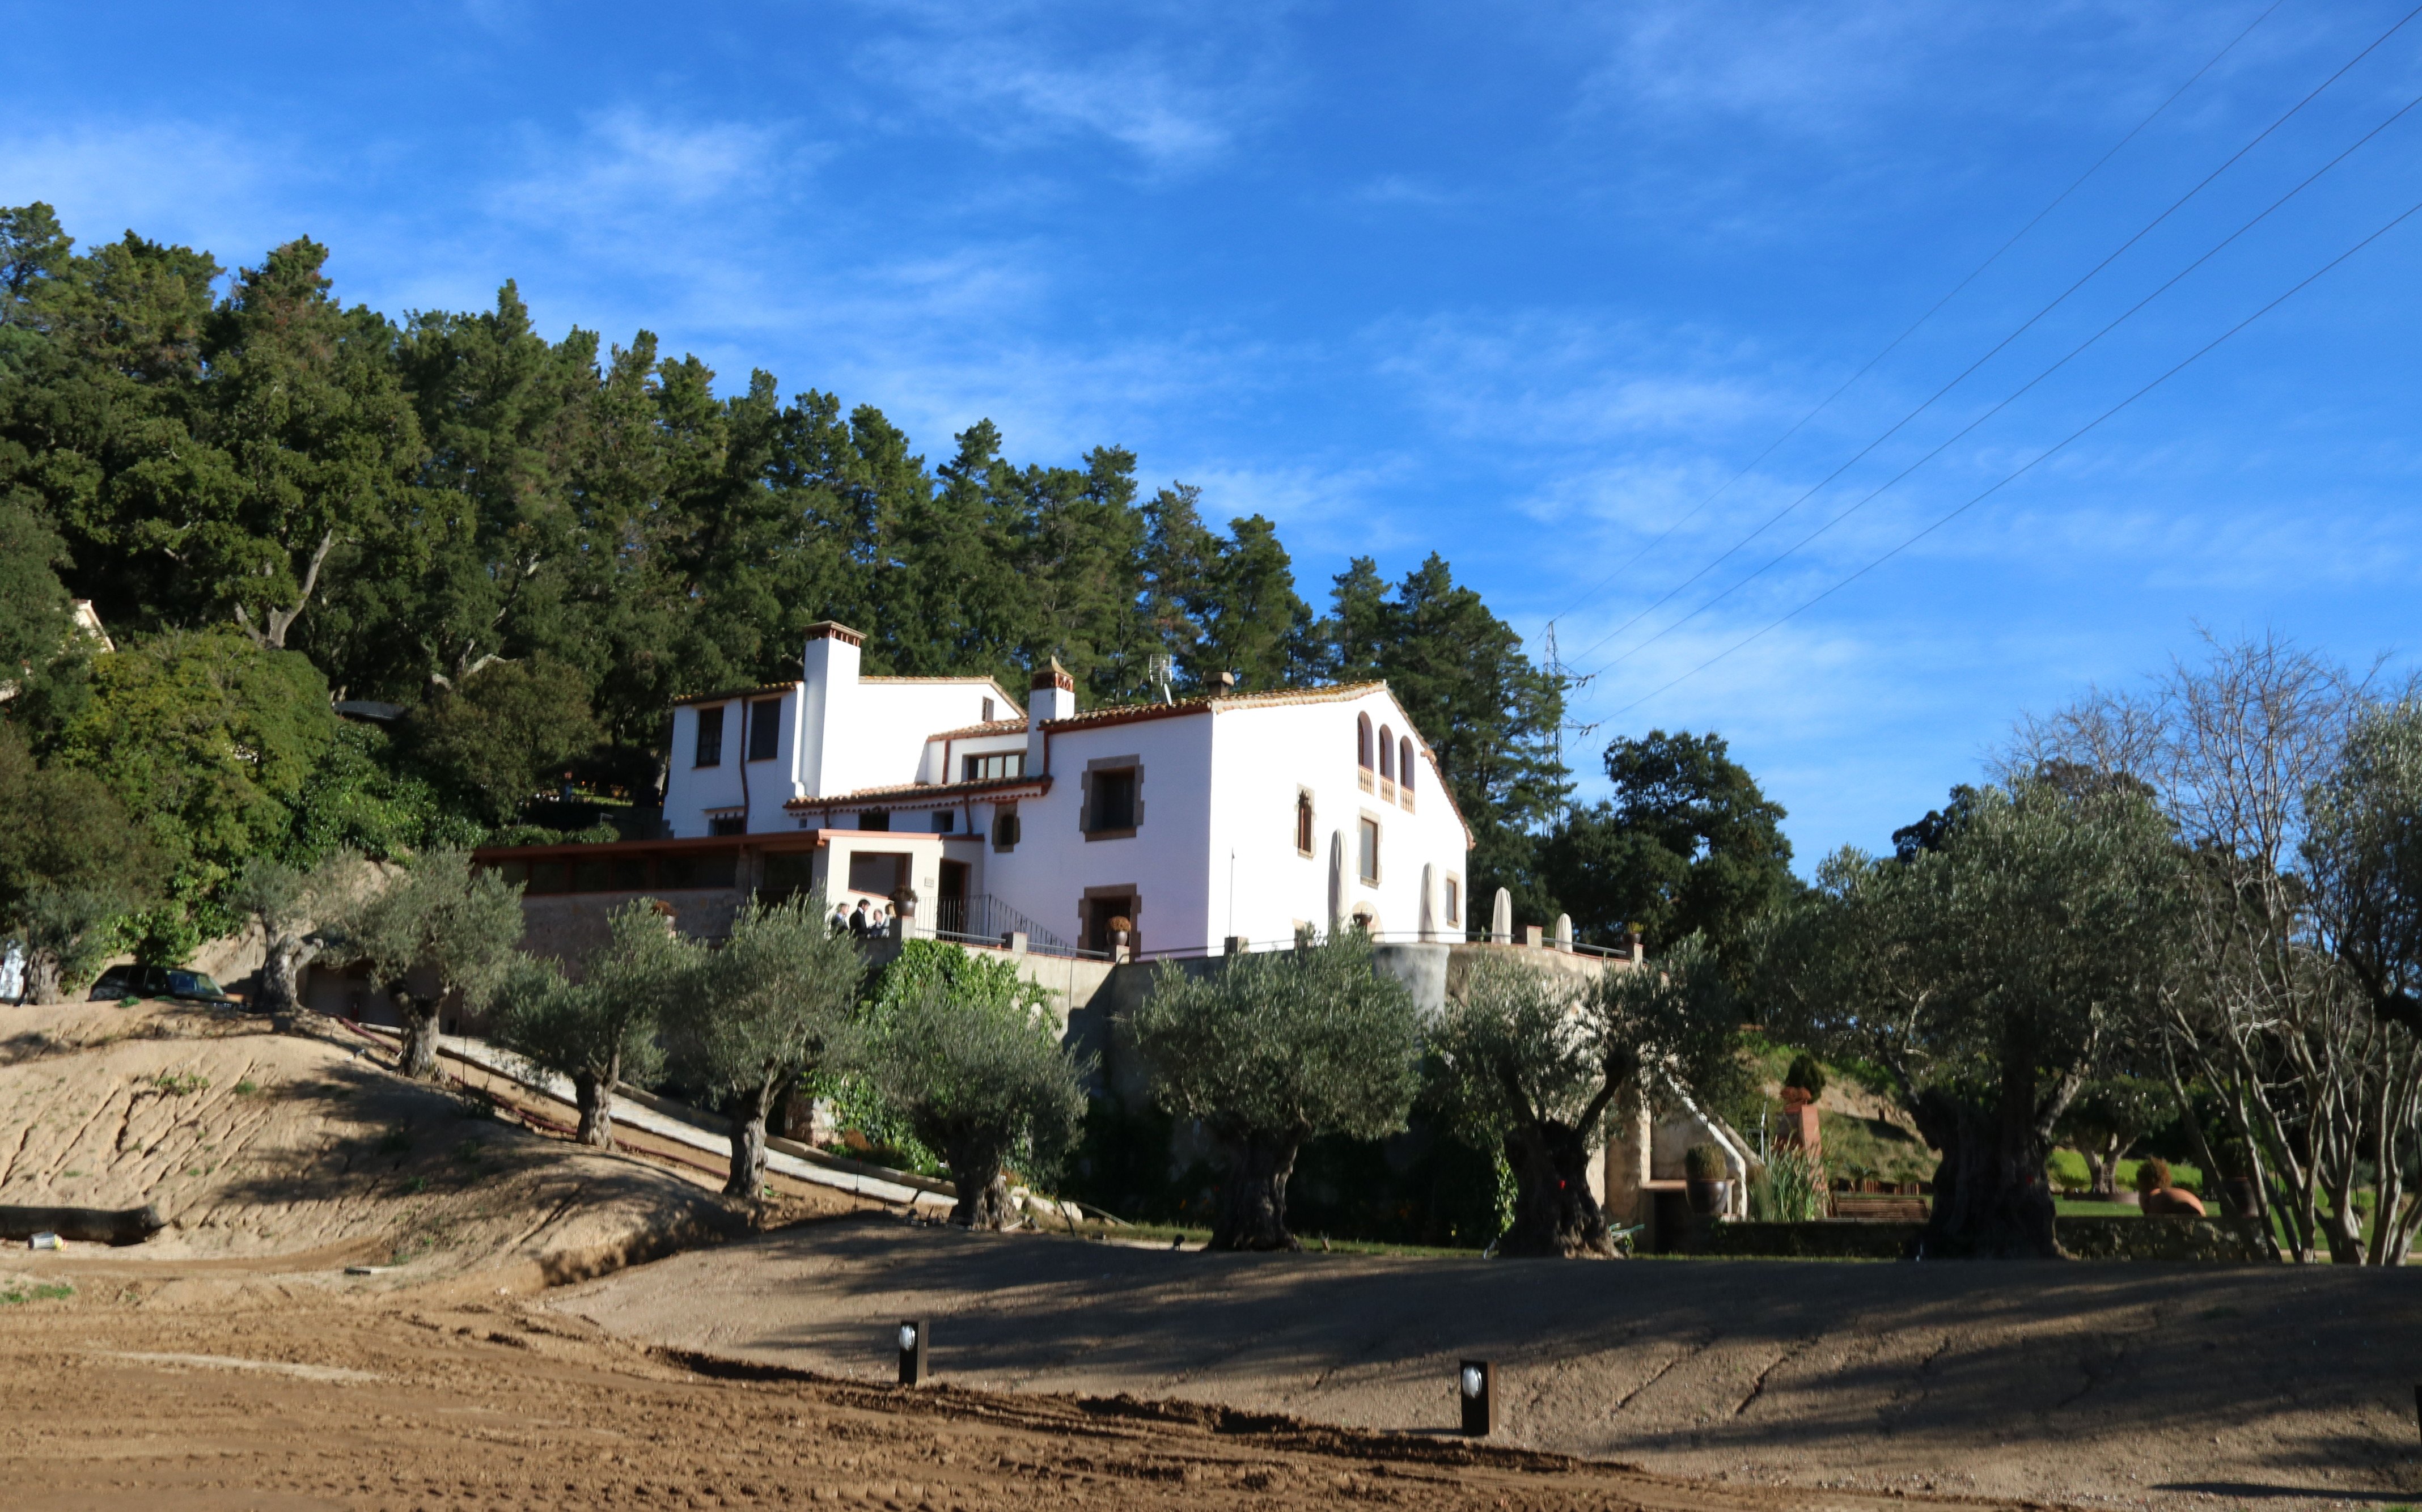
(2179, 1385)
(231, 1362)
(171, 1385)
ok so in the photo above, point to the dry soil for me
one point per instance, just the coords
(231, 1362)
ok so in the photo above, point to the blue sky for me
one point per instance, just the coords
(1524, 284)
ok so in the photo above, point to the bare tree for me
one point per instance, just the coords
(2310, 1067)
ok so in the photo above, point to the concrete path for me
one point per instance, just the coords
(2070, 1383)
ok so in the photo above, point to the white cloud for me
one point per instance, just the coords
(626, 161)
(1020, 77)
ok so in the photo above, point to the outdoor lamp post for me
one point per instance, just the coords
(912, 1353)
(1475, 1387)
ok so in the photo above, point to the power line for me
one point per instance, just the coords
(2017, 393)
(2042, 457)
(2024, 327)
(1931, 310)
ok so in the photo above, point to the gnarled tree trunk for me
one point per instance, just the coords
(749, 1114)
(281, 972)
(41, 977)
(593, 1095)
(1991, 1198)
(984, 1186)
(1252, 1197)
(418, 1059)
(1555, 1212)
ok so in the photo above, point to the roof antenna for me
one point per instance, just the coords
(1163, 666)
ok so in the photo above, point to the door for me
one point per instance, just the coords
(952, 918)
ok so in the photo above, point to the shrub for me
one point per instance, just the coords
(2153, 1175)
(1703, 1162)
(1807, 1074)
(1790, 1190)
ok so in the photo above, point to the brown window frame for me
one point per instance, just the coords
(1368, 826)
(1095, 769)
(703, 752)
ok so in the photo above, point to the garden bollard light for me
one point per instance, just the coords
(1476, 1387)
(912, 1353)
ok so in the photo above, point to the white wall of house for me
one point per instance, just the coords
(1167, 860)
(1268, 755)
(695, 795)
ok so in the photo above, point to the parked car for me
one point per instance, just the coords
(169, 982)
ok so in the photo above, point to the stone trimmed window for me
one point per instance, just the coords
(1111, 804)
(1366, 851)
(1306, 842)
(1453, 902)
(709, 749)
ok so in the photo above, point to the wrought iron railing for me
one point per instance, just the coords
(985, 919)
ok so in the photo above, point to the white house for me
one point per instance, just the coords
(1238, 816)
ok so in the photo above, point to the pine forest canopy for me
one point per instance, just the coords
(398, 510)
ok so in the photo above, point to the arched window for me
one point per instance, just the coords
(1387, 753)
(1362, 741)
(1405, 764)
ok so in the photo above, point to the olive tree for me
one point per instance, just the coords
(296, 907)
(1988, 974)
(965, 1053)
(1531, 1060)
(601, 1030)
(439, 924)
(2105, 1120)
(1269, 1049)
(776, 1004)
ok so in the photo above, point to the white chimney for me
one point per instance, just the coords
(827, 708)
(1053, 697)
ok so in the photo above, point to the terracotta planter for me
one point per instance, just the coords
(1711, 1199)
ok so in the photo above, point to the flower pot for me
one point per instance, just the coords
(1711, 1199)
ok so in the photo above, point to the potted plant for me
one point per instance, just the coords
(1804, 1082)
(1710, 1188)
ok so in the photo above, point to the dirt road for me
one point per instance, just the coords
(2068, 1382)
(209, 1389)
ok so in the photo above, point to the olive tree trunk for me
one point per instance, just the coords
(749, 1114)
(1991, 1197)
(1555, 1212)
(41, 977)
(978, 1172)
(1251, 1214)
(2102, 1169)
(418, 1058)
(593, 1095)
(281, 972)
